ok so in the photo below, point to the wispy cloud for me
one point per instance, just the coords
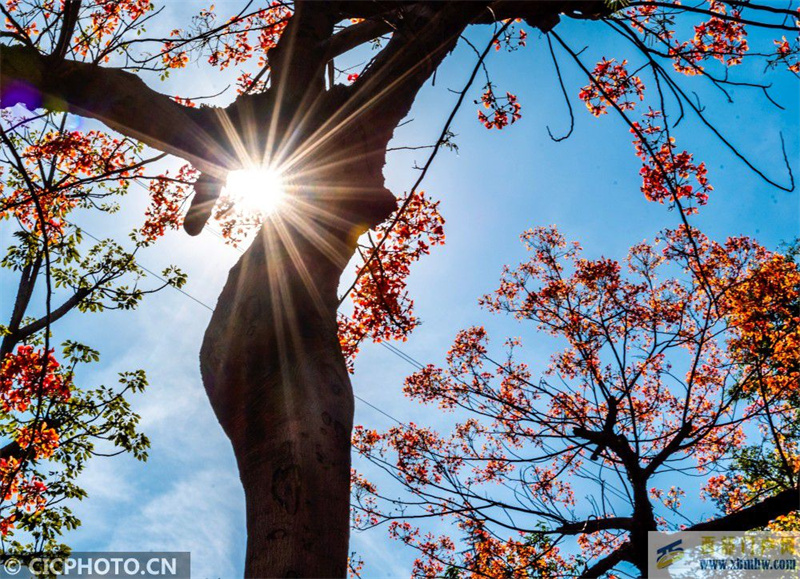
(201, 514)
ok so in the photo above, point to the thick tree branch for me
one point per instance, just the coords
(11, 450)
(26, 285)
(14, 450)
(372, 9)
(69, 20)
(607, 563)
(672, 447)
(56, 314)
(424, 36)
(754, 516)
(354, 36)
(594, 525)
(543, 15)
(119, 99)
(616, 443)
(747, 519)
(298, 60)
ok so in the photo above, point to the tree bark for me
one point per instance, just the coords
(272, 364)
(271, 360)
(274, 373)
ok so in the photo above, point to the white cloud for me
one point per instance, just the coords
(201, 513)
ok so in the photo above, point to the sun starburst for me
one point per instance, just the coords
(258, 190)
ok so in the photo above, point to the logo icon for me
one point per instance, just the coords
(668, 554)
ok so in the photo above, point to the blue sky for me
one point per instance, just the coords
(187, 496)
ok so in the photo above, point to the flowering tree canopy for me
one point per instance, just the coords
(614, 401)
(51, 425)
(676, 363)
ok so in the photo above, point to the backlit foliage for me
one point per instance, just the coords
(502, 110)
(787, 53)
(236, 42)
(167, 198)
(668, 176)
(720, 38)
(672, 356)
(102, 23)
(382, 309)
(612, 83)
(50, 423)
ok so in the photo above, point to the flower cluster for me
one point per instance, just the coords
(27, 495)
(233, 43)
(724, 39)
(659, 349)
(41, 439)
(667, 174)
(28, 374)
(612, 83)
(167, 197)
(76, 161)
(106, 19)
(27, 377)
(238, 48)
(787, 53)
(513, 38)
(382, 309)
(247, 83)
(171, 57)
(502, 109)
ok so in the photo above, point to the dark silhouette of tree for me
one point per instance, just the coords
(272, 360)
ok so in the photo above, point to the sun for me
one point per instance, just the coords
(257, 190)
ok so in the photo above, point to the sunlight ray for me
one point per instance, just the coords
(333, 125)
(234, 138)
(299, 264)
(259, 190)
(332, 248)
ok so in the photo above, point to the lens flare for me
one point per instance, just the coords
(259, 190)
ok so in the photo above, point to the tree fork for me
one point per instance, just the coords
(272, 364)
(271, 361)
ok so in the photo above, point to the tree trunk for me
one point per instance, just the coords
(271, 360)
(276, 378)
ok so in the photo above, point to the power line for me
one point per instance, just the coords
(386, 345)
(157, 276)
(376, 409)
(394, 350)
